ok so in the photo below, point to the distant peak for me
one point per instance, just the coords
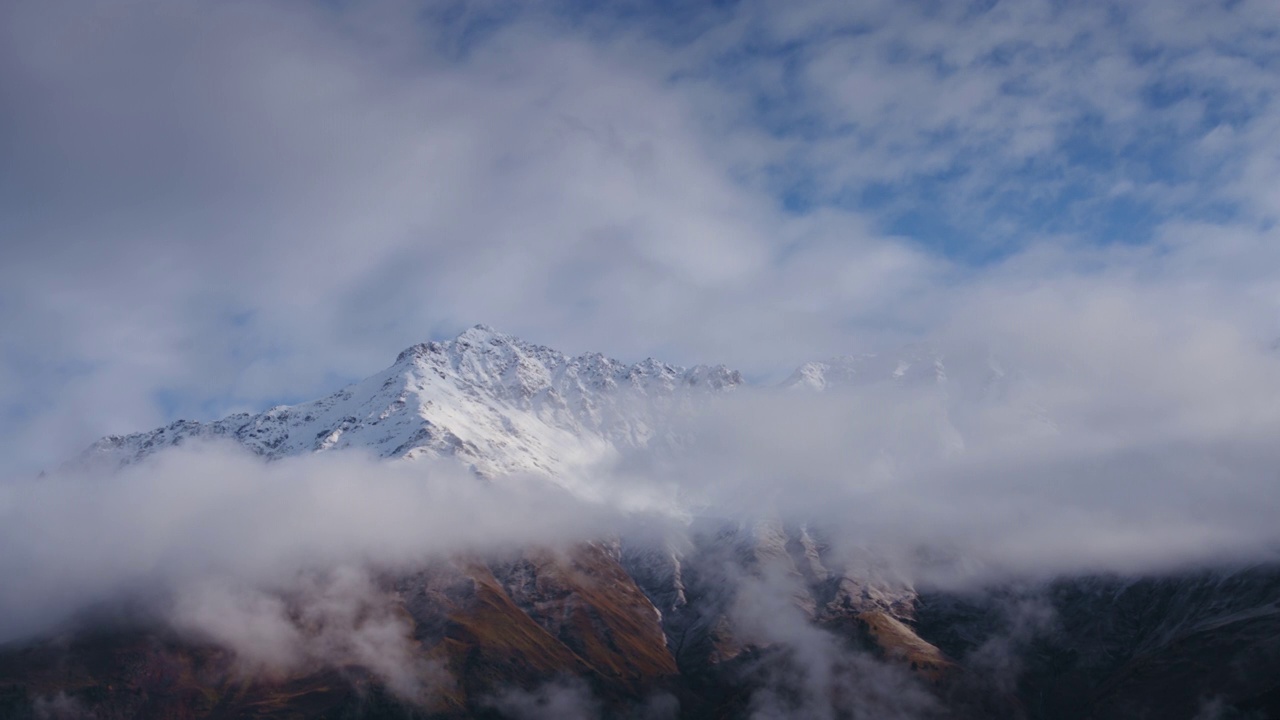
(484, 334)
(475, 336)
(479, 330)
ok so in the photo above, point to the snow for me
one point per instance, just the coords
(492, 401)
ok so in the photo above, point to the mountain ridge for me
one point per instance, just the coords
(494, 401)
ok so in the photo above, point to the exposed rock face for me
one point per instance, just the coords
(587, 601)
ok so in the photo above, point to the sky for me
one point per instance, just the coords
(217, 206)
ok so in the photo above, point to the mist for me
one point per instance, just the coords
(215, 513)
(1135, 453)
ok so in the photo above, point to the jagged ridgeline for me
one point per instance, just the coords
(704, 615)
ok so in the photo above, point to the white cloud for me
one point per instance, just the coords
(330, 618)
(217, 512)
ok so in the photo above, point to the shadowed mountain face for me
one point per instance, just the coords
(699, 617)
(1203, 644)
(1183, 647)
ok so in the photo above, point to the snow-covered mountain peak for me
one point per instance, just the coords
(506, 364)
(479, 344)
(496, 402)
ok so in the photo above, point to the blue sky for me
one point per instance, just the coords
(217, 206)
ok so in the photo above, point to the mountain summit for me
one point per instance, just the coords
(486, 398)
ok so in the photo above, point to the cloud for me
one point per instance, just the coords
(59, 707)
(570, 699)
(1083, 426)
(1005, 120)
(329, 618)
(812, 673)
(214, 515)
(999, 660)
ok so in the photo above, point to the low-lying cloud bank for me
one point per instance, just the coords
(215, 511)
(327, 618)
(1064, 431)
(1007, 489)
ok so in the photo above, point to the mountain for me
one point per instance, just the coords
(1199, 644)
(693, 617)
(490, 400)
